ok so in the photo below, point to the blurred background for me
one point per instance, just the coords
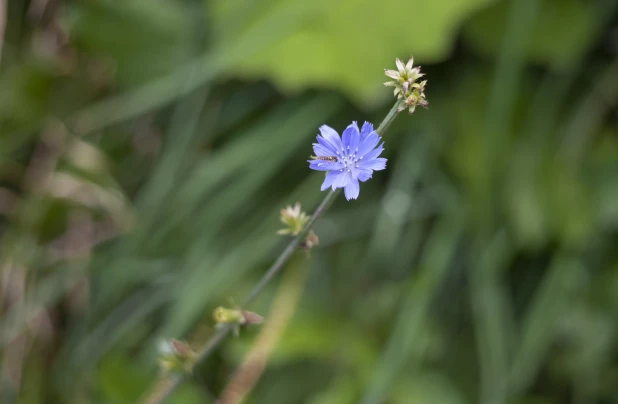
(147, 146)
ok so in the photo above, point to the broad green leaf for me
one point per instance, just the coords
(343, 44)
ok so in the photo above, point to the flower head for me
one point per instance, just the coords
(406, 87)
(294, 219)
(348, 160)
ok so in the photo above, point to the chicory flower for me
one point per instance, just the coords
(348, 159)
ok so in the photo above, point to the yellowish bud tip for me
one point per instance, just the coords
(227, 316)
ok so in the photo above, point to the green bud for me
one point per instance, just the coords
(406, 87)
(176, 356)
(294, 219)
(223, 315)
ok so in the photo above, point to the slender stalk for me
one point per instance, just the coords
(390, 117)
(165, 386)
(287, 253)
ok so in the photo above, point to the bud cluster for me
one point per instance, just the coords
(294, 219)
(406, 87)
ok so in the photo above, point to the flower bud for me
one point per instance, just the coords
(223, 315)
(310, 241)
(294, 219)
(406, 87)
(176, 356)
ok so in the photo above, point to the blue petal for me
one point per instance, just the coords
(321, 150)
(366, 130)
(332, 150)
(351, 137)
(321, 165)
(331, 137)
(375, 164)
(328, 181)
(368, 144)
(352, 190)
(374, 153)
(342, 179)
(364, 175)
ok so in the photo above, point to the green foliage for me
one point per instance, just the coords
(562, 32)
(148, 147)
(26, 94)
(343, 44)
(426, 389)
(139, 41)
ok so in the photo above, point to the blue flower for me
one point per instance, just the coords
(348, 160)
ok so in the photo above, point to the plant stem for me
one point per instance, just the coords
(287, 253)
(165, 386)
(390, 117)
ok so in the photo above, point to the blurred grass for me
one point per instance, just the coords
(148, 147)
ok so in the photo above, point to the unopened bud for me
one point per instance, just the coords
(252, 318)
(406, 87)
(294, 219)
(310, 241)
(176, 356)
(223, 315)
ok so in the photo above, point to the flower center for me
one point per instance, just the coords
(349, 158)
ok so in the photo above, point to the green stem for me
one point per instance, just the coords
(168, 384)
(289, 250)
(390, 117)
